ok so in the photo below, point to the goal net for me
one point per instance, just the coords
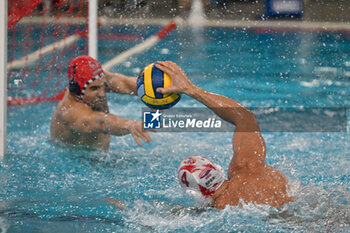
(43, 36)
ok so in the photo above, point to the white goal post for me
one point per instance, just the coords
(3, 76)
(93, 29)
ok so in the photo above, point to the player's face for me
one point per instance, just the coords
(95, 94)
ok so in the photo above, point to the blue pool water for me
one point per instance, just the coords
(50, 188)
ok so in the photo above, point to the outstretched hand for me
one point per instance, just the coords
(137, 132)
(179, 80)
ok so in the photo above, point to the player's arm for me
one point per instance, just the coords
(119, 204)
(120, 83)
(87, 121)
(248, 143)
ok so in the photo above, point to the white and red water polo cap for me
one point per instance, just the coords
(201, 175)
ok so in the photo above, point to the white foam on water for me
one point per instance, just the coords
(315, 209)
(313, 83)
(326, 69)
(4, 225)
(164, 51)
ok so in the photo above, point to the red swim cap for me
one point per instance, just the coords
(84, 70)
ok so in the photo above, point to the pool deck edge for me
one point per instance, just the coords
(241, 24)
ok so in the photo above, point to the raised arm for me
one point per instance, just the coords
(85, 120)
(248, 143)
(120, 83)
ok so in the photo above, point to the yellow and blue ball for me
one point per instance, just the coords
(148, 81)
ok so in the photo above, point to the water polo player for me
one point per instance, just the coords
(82, 117)
(249, 178)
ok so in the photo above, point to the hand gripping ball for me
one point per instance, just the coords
(148, 81)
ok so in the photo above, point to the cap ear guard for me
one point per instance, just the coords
(74, 87)
(201, 200)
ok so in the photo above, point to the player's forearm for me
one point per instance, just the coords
(111, 124)
(118, 126)
(121, 84)
(224, 107)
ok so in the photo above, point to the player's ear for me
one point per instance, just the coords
(74, 87)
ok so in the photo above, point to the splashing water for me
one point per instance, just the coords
(197, 17)
(46, 187)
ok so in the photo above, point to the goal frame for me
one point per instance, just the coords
(3, 77)
(92, 50)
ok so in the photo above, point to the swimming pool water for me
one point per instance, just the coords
(46, 187)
